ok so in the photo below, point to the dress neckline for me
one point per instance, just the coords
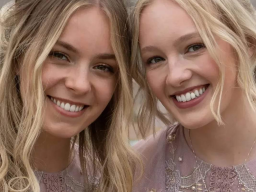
(188, 147)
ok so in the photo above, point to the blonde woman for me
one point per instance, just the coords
(64, 66)
(198, 58)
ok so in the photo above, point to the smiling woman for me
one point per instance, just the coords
(67, 102)
(198, 59)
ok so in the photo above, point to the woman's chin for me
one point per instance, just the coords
(193, 124)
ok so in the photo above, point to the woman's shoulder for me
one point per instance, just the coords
(155, 141)
(151, 175)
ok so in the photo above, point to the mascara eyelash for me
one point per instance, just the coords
(188, 47)
(58, 52)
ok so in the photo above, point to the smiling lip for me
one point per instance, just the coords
(191, 103)
(68, 101)
(187, 90)
(67, 113)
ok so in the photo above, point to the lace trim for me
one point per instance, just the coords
(65, 183)
(73, 184)
(198, 174)
(53, 182)
(173, 178)
(220, 179)
(246, 178)
(175, 182)
(207, 177)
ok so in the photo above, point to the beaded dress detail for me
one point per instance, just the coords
(171, 166)
(69, 180)
(185, 172)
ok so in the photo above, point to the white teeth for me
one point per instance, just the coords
(178, 98)
(197, 93)
(193, 96)
(62, 105)
(67, 106)
(190, 95)
(183, 98)
(72, 108)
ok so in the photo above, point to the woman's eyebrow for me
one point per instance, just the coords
(74, 50)
(186, 37)
(178, 41)
(106, 56)
(149, 49)
(67, 46)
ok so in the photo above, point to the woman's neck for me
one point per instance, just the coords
(228, 144)
(51, 154)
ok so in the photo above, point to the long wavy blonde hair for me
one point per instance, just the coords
(232, 21)
(29, 30)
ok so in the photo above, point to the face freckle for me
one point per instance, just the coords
(79, 75)
(179, 69)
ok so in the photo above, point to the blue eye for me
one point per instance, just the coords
(104, 68)
(58, 55)
(154, 60)
(195, 47)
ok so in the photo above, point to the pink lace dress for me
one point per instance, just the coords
(171, 166)
(69, 180)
